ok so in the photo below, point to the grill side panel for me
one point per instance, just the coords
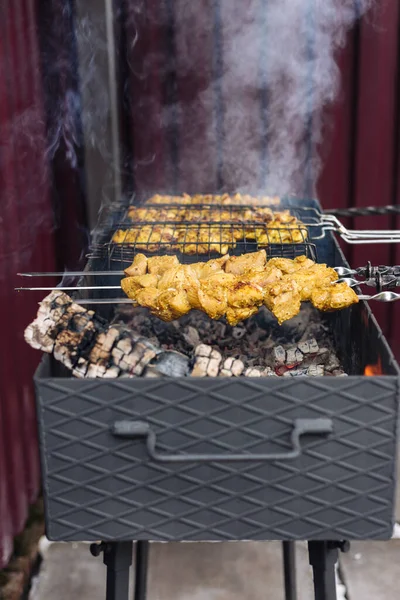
(101, 487)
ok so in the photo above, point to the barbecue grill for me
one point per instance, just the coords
(217, 459)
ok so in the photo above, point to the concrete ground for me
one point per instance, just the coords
(186, 571)
(219, 571)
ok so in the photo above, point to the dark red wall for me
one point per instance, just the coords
(362, 164)
(40, 230)
(26, 242)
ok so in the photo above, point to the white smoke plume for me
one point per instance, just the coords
(278, 74)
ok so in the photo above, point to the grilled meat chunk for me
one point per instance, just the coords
(240, 264)
(333, 297)
(235, 199)
(235, 287)
(138, 267)
(203, 229)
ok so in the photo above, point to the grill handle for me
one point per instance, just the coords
(141, 429)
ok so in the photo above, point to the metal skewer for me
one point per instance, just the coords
(68, 288)
(70, 273)
(349, 280)
(381, 297)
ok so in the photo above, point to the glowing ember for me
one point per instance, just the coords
(371, 370)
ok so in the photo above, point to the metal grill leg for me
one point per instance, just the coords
(142, 561)
(289, 570)
(118, 560)
(323, 558)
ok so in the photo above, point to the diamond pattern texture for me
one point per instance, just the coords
(101, 487)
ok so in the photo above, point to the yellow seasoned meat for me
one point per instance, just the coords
(237, 199)
(244, 294)
(333, 297)
(159, 264)
(205, 223)
(148, 237)
(147, 297)
(235, 287)
(205, 269)
(138, 267)
(311, 278)
(132, 284)
(236, 315)
(240, 264)
(213, 300)
(172, 304)
(283, 300)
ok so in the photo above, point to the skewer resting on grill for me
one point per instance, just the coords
(234, 287)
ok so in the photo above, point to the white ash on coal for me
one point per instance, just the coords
(257, 347)
(89, 346)
(137, 344)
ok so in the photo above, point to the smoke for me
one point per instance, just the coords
(220, 95)
(275, 74)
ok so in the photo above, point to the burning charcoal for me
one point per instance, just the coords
(111, 373)
(323, 355)
(315, 370)
(238, 332)
(293, 356)
(84, 343)
(203, 350)
(332, 363)
(304, 347)
(339, 373)
(207, 361)
(170, 363)
(200, 366)
(268, 372)
(213, 366)
(295, 373)
(232, 367)
(279, 355)
(117, 355)
(191, 336)
(125, 345)
(112, 334)
(313, 346)
(151, 371)
(253, 372)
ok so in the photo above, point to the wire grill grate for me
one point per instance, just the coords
(201, 232)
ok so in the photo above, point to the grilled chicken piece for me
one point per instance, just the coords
(263, 277)
(159, 264)
(138, 267)
(203, 270)
(309, 279)
(333, 297)
(236, 315)
(236, 287)
(203, 239)
(148, 237)
(237, 199)
(199, 230)
(283, 299)
(240, 264)
(130, 285)
(172, 304)
(213, 300)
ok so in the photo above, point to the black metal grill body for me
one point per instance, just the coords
(341, 486)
